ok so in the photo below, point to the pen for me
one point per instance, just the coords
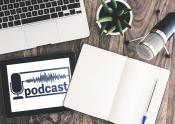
(144, 119)
(145, 115)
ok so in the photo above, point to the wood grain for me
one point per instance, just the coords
(145, 18)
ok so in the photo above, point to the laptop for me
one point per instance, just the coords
(27, 24)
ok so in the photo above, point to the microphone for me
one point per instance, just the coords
(16, 85)
(152, 43)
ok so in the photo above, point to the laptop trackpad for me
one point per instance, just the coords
(12, 39)
(41, 33)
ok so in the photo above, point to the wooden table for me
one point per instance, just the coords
(145, 18)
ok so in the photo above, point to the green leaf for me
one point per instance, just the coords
(104, 4)
(114, 3)
(120, 12)
(106, 7)
(104, 19)
(119, 27)
(126, 10)
(125, 23)
(103, 28)
(110, 10)
(111, 30)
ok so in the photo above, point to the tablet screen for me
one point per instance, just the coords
(38, 84)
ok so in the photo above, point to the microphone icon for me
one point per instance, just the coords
(16, 86)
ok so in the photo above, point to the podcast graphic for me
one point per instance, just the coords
(42, 77)
(43, 84)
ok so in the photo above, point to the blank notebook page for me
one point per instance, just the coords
(94, 83)
(134, 92)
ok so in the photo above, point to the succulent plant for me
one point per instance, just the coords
(114, 17)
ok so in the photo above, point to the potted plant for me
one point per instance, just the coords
(114, 17)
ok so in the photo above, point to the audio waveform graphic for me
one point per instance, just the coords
(46, 77)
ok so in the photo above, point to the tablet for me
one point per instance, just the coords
(37, 84)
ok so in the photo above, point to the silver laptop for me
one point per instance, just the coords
(27, 24)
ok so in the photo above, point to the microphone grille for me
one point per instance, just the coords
(144, 52)
(150, 46)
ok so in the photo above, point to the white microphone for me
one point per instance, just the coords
(152, 43)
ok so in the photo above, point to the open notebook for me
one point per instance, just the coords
(116, 88)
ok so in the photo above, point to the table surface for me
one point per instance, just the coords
(145, 17)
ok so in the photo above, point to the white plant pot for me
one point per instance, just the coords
(130, 21)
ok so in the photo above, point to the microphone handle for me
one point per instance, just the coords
(11, 88)
(22, 86)
(167, 25)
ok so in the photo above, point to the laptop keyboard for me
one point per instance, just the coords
(20, 12)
